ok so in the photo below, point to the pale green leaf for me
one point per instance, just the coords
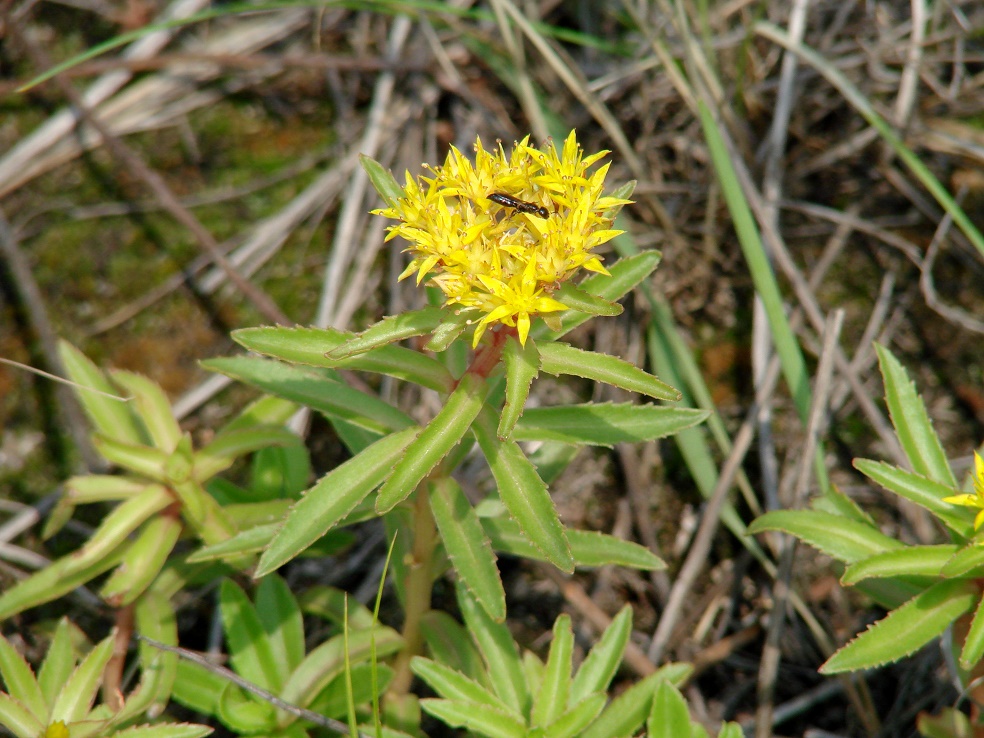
(600, 665)
(577, 717)
(390, 329)
(152, 406)
(845, 539)
(454, 686)
(20, 682)
(476, 717)
(382, 180)
(669, 716)
(973, 646)
(551, 698)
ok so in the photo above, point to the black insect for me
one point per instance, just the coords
(522, 206)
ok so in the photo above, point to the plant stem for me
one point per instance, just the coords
(419, 584)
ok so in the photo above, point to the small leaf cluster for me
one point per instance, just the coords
(927, 588)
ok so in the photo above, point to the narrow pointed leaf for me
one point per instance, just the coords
(143, 460)
(113, 418)
(912, 424)
(18, 719)
(600, 665)
(60, 660)
(475, 717)
(524, 493)
(626, 713)
(170, 730)
(282, 623)
(250, 652)
(227, 446)
(308, 387)
(382, 180)
(522, 366)
(434, 442)
(20, 681)
(449, 643)
(152, 406)
(332, 498)
(310, 346)
(589, 548)
(390, 329)
(967, 561)
(844, 539)
(143, 561)
(76, 696)
(921, 490)
(906, 629)
(577, 717)
(910, 561)
(973, 646)
(561, 358)
(605, 424)
(467, 546)
(551, 699)
(499, 652)
(577, 299)
(623, 276)
(669, 717)
(454, 686)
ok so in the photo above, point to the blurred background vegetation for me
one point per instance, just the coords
(202, 175)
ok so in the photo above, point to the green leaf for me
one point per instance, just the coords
(20, 681)
(912, 424)
(250, 541)
(151, 405)
(561, 358)
(551, 699)
(18, 719)
(308, 387)
(499, 652)
(600, 665)
(76, 696)
(332, 498)
(921, 490)
(434, 442)
(390, 329)
(155, 619)
(327, 661)
(227, 446)
(450, 328)
(522, 365)
(844, 539)
(143, 560)
(577, 717)
(967, 561)
(476, 717)
(170, 730)
(143, 460)
(112, 418)
(450, 645)
(310, 345)
(907, 628)
(456, 687)
(245, 713)
(627, 712)
(250, 653)
(973, 646)
(605, 424)
(623, 276)
(60, 660)
(382, 180)
(909, 561)
(198, 688)
(589, 548)
(669, 717)
(467, 545)
(282, 623)
(523, 493)
(577, 299)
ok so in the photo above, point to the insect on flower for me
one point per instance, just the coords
(522, 206)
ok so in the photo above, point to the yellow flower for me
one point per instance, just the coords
(478, 230)
(976, 499)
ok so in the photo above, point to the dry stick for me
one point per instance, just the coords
(155, 182)
(37, 313)
(769, 664)
(195, 658)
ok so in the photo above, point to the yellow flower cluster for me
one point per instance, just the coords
(500, 256)
(977, 498)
